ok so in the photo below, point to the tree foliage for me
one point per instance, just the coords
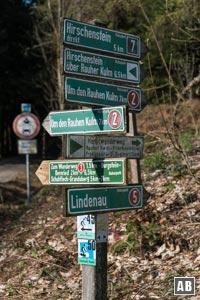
(31, 48)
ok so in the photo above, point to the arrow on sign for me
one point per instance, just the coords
(84, 172)
(132, 71)
(104, 146)
(74, 146)
(97, 120)
(136, 142)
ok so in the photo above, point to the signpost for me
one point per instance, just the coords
(94, 93)
(100, 66)
(102, 120)
(89, 81)
(101, 146)
(103, 39)
(90, 200)
(83, 172)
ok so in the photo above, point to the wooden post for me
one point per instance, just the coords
(88, 282)
(135, 164)
(101, 272)
(94, 279)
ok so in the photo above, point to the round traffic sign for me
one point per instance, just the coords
(134, 196)
(133, 99)
(114, 119)
(26, 125)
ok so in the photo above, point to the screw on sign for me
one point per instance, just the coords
(114, 119)
(134, 196)
(26, 125)
(133, 99)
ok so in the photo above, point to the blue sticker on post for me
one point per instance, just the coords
(25, 107)
(87, 252)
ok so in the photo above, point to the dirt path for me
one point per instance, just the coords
(11, 168)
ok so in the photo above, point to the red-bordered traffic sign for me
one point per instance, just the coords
(26, 125)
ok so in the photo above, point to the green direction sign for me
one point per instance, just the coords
(90, 146)
(95, 93)
(89, 200)
(101, 66)
(86, 121)
(86, 172)
(98, 38)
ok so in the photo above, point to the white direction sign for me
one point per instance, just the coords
(90, 146)
(86, 227)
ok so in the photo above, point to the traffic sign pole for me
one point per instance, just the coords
(26, 126)
(28, 179)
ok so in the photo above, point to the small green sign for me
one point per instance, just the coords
(95, 93)
(86, 172)
(89, 200)
(98, 38)
(101, 66)
(87, 121)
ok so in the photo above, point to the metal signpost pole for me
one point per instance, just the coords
(28, 179)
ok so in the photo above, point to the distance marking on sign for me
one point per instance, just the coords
(100, 120)
(83, 172)
(101, 66)
(103, 39)
(100, 94)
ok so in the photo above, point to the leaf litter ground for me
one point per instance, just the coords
(146, 248)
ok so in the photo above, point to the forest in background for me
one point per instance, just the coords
(31, 45)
